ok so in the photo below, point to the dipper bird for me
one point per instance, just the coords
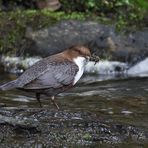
(54, 74)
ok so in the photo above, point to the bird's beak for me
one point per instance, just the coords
(94, 58)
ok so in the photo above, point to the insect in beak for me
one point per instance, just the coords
(94, 58)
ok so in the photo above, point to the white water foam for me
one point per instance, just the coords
(106, 67)
(140, 69)
(114, 67)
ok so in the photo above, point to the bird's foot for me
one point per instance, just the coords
(38, 99)
(53, 101)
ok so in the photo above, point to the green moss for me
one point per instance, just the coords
(87, 137)
(13, 25)
(124, 13)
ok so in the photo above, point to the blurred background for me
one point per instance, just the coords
(115, 90)
(35, 27)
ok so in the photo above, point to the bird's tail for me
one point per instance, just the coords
(9, 85)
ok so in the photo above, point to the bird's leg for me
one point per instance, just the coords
(38, 99)
(53, 100)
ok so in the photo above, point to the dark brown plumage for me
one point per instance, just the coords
(52, 75)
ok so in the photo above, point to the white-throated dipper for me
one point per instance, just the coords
(54, 74)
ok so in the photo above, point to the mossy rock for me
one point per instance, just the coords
(13, 26)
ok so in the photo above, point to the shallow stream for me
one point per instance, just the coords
(119, 100)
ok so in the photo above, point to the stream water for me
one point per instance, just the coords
(121, 99)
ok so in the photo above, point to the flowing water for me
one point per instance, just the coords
(122, 99)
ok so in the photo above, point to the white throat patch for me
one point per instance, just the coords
(80, 62)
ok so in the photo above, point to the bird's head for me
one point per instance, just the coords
(81, 51)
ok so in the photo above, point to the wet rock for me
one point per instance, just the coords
(22, 123)
(62, 128)
(103, 39)
(2, 105)
(61, 36)
(48, 4)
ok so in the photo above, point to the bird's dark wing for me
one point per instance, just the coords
(56, 75)
(33, 72)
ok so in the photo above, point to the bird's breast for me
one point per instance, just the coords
(80, 62)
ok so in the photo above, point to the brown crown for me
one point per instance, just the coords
(76, 51)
